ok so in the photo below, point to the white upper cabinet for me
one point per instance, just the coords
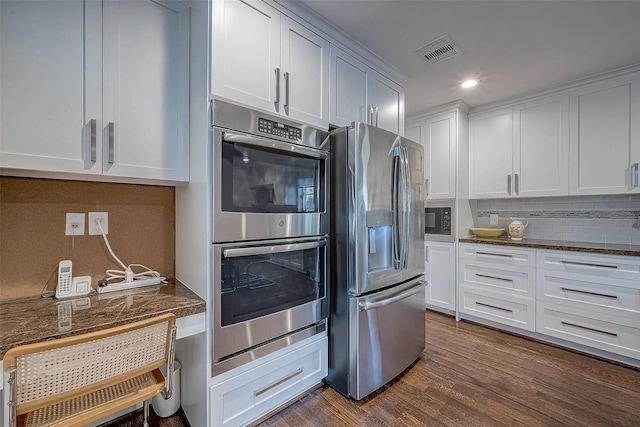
(43, 101)
(348, 89)
(605, 137)
(520, 151)
(440, 156)
(263, 59)
(95, 88)
(359, 93)
(490, 154)
(541, 147)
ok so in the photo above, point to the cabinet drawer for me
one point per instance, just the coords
(610, 333)
(512, 311)
(254, 393)
(518, 280)
(500, 255)
(597, 294)
(591, 265)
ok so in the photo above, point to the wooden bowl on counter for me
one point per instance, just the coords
(487, 232)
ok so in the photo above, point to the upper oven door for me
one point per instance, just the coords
(267, 189)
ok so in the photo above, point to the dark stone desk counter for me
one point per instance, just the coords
(30, 320)
(597, 248)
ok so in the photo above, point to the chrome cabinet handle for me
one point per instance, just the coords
(494, 306)
(634, 175)
(588, 264)
(278, 382)
(491, 254)
(494, 277)
(264, 250)
(286, 89)
(277, 71)
(516, 184)
(371, 109)
(586, 328)
(509, 184)
(580, 291)
(376, 109)
(108, 135)
(426, 187)
(89, 143)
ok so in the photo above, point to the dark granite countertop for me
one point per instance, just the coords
(30, 320)
(558, 245)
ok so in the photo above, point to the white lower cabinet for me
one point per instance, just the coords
(440, 272)
(497, 283)
(243, 398)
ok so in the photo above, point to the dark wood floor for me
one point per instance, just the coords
(471, 375)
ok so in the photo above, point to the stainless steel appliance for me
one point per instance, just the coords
(269, 176)
(377, 289)
(270, 234)
(439, 221)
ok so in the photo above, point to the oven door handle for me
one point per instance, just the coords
(265, 250)
(273, 144)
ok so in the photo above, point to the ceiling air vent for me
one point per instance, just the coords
(439, 50)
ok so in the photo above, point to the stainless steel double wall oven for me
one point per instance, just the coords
(270, 233)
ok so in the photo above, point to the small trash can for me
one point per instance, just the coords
(165, 408)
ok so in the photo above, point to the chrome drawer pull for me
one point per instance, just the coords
(590, 293)
(586, 328)
(493, 306)
(494, 277)
(277, 383)
(588, 264)
(490, 254)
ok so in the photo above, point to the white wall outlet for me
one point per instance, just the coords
(94, 217)
(74, 225)
(493, 219)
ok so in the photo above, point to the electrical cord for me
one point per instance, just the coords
(126, 275)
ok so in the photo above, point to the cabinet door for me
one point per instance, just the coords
(348, 95)
(440, 156)
(305, 74)
(44, 104)
(145, 94)
(490, 155)
(541, 147)
(605, 135)
(245, 53)
(388, 97)
(440, 270)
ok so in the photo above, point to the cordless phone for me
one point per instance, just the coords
(64, 279)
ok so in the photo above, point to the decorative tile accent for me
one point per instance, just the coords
(591, 214)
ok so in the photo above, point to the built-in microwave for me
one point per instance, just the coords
(439, 221)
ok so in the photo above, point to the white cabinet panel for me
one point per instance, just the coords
(440, 272)
(541, 147)
(498, 254)
(43, 102)
(490, 155)
(305, 67)
(498, 307)
(605, 136)
(118, 62)
(263, 59)
(388, 99)
(440, 156)
(246, 53)
(348, 96)
(244, 398)
(145, 89)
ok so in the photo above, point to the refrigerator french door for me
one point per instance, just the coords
(377, 269)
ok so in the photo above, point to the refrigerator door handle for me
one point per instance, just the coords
(395, 208)
(407, 208)
(377, 304)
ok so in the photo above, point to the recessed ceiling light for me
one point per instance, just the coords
(469, 83)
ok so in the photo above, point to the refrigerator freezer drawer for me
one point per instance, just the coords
(390, 335)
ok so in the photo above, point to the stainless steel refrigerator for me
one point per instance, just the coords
(377, 288)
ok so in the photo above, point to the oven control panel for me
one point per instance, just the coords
(279, 129)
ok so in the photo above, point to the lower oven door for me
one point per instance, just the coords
(265, 290)
(388, 327)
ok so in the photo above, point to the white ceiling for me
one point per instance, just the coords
(513, 47)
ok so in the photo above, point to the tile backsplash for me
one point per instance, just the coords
(599, 219)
